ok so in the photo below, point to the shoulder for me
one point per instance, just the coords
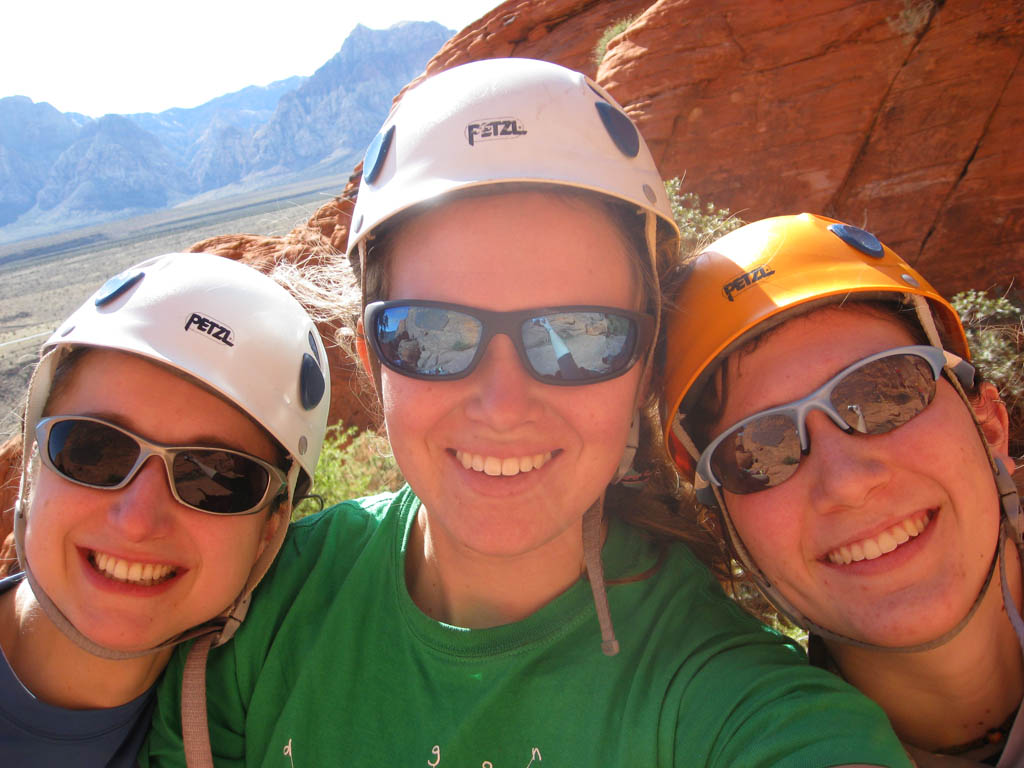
(346, 527)
(747, 689)
(318, 555)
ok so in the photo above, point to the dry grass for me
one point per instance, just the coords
(38, 291)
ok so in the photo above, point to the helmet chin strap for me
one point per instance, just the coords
(794, 616)
(593, 518)
(222, 627)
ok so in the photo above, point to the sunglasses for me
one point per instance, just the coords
(871, 397)
(566, 346)
(98, 454)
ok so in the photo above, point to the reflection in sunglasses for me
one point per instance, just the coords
(873, 396)
(572, 344)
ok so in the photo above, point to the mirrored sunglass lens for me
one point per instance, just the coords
(758, 455)
(91, 453)
(577, 346)
(884, 394)
(219, 481)
(427, 341)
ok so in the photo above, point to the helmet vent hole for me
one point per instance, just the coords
(620, 128)
(303, 445)
(858, 238)
(373, 161)
(311, 382)
(650, 194)
(312, 346)
(116, 286)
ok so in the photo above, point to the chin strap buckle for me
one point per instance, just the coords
(1009, 500)
(705, 492)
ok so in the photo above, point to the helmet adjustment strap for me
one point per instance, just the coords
(592, 535)
(785, 608)
(195, 730)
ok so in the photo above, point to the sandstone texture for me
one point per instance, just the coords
(902, 116)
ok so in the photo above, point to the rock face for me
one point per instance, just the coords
(113, 165)
(32, 137)
(180, 130)
(896, 116)
(331, 118)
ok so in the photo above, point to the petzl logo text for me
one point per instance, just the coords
(198, 323)
(746, 280)
(495, 128)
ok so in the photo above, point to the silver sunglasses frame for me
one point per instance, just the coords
(147, 449)
(818, 400)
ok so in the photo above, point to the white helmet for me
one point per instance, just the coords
(224, 324)
(515, 121)
(504, 121)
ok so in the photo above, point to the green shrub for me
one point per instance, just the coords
(699, 222)
(352, 464)
(995, 331)
(614, 30)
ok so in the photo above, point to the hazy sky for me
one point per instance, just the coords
(127, 56)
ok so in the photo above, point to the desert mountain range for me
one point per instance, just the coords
(59, 170)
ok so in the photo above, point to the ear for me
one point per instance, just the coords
(281, 515)
(362, 350)
(994, 421)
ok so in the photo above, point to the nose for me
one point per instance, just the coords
(504, 392)
(845, 467)
(143, 509)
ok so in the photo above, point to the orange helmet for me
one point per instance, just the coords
(760, 274)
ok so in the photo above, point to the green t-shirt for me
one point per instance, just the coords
(335, 665)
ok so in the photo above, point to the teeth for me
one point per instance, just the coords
(146, 574)
(885, 542)
(507, 467)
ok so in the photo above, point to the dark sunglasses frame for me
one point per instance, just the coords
(277, 481)
(509, 324)
(819, 400)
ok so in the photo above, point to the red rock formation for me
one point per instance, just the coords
(904, 117)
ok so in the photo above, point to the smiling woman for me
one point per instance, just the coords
(505, 607)
(860, 473)
(159, 485)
